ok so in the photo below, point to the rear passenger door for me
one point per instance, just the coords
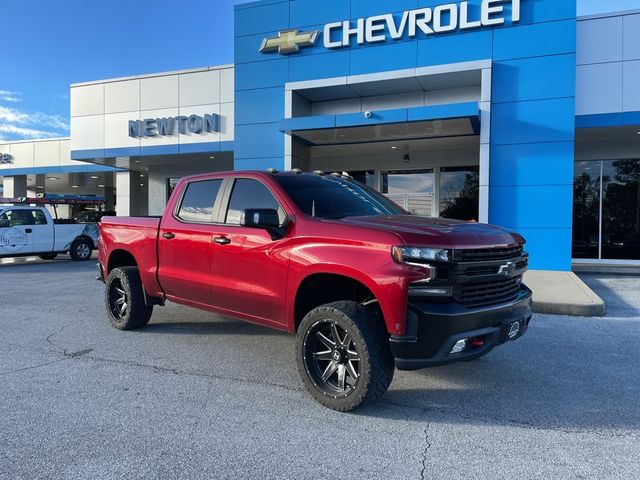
(42, 232)
(185, 243)
(249, 267)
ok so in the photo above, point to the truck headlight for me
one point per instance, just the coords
(418, 255)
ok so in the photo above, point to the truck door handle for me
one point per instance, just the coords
(222, 240)
(168, 236)
(28, 230)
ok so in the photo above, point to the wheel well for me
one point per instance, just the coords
(321, 288)
(85, 237)
(120, 258)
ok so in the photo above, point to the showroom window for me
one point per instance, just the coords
(460, 193)
(606, 210)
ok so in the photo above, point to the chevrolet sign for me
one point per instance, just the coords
(289, 41)
(426, 21)
(5, 159)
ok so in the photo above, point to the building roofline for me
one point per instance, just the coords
(610, 14)
(152, 75)
(35, 140)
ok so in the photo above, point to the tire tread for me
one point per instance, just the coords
(139, 312)
(376, 338)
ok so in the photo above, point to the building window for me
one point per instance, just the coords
(606, 210)
(460, 193)
(411, 189)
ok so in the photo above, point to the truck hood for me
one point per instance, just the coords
(438, 232)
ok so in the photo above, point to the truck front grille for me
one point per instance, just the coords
(487, 254)
(478, 294)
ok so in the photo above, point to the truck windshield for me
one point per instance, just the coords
(334, 197)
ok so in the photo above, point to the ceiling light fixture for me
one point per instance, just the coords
(212, 157)
(74, 186)
(94, 176)
(53, 178)
(394, 148)
(100, 186)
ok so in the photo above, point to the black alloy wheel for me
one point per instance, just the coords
(118, 300)
(343, 355)
(331, 357)
(125, 300)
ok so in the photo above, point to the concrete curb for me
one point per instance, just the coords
(563, 293)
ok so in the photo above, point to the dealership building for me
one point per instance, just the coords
(512, 112)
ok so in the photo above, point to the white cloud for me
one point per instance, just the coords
(19, 124)
(26, 133)
(9, 96)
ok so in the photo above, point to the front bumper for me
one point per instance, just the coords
(434, 328)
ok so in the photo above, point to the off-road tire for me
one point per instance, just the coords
(81, 250)
(124, 287)
(48, 256)
(367, 333)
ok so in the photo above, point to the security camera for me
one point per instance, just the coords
(367, 114)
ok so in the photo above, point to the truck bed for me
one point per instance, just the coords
(137, 234)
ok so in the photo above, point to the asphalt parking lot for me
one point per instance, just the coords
(196, 395)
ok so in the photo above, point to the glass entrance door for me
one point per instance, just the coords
(413, 190)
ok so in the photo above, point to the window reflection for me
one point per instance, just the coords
(460, 193)
(621, 209)
(617, 195)
(586, 209)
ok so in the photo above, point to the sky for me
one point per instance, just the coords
(49, 44)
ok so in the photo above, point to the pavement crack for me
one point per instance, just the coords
(427, 446)
(33, 367)
(57, 332)
(175, 371)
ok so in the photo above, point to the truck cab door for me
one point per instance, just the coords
(41, 231)
(184, 243)
(15, 233)
(250, 268)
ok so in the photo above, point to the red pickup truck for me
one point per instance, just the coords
(365, 286)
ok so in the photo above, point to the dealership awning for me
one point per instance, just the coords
(438, 121)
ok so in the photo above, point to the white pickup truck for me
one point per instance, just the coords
(32, 231)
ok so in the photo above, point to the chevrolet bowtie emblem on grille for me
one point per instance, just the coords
(507, 268)
(289, 41)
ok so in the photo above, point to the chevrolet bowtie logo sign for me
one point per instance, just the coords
(289, 41)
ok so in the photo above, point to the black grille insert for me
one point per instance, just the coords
(487, 254)
(488, 293)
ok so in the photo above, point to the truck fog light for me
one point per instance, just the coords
(460, 346)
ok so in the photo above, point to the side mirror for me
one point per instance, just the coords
(4, 223)
(265, 218)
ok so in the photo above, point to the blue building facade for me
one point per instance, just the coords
(520, 56)
(511, 112)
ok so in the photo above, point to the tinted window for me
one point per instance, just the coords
(250, 194)
(332, 197)
(197, 203)
(19, 217)
(39, 217)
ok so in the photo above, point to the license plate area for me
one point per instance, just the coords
(514, 330)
